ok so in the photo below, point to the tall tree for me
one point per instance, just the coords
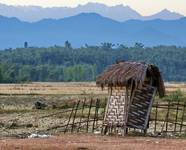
(139, 45)
(68, 45)
(1, 74)
(107, 45)
(25, 44)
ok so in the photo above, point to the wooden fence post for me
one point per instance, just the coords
(167, 118)
(156, 116)
(176, 119)
(95, 114)
(70, 118)
(182, 119)
(90, 106)
(103, 131)
(72, 129)
(81, 114)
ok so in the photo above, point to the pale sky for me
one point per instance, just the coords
(144, 7)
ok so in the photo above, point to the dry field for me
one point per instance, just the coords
(41, 88)
(73, 88)
(18, 118)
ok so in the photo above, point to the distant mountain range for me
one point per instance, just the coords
(92, 29)
(118, 13)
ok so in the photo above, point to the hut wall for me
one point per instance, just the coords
(129, 108)
(117, 108)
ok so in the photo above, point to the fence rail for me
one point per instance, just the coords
(88, 115)
(169, 116)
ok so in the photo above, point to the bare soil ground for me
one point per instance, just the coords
(92, 142)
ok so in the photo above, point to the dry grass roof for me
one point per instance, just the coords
(126, 72)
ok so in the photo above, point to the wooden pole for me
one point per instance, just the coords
(176, 119)
(90, 106)
(95, 114)
(167, 118)
(105, 107)
(182, 118)
(69, 118)
(103, 131)
(156, 116)
(126, 112)
(81, 114)
(72, 129)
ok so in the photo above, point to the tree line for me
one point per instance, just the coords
(64, 63)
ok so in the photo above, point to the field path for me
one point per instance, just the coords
(92, 142)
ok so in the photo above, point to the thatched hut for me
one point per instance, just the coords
(133, 86)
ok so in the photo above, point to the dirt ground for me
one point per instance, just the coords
(92, 142)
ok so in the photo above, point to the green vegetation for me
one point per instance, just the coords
(1, 74)
(175, 96)
(85, 63)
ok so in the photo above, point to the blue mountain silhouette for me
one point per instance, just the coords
(91, 28)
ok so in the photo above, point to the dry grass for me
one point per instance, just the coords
(170, 87)
(61, 88)
(86, 88)
(16, 102)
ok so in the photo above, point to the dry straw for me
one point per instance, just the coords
(125, 73)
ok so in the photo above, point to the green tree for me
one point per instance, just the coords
(86, 63)
(68, 45)
(25, 44)
(107, 46)
(1, 74)
(139, 45)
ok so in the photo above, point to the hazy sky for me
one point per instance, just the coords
(145, 7)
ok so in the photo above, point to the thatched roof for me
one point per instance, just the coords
(126, 72)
